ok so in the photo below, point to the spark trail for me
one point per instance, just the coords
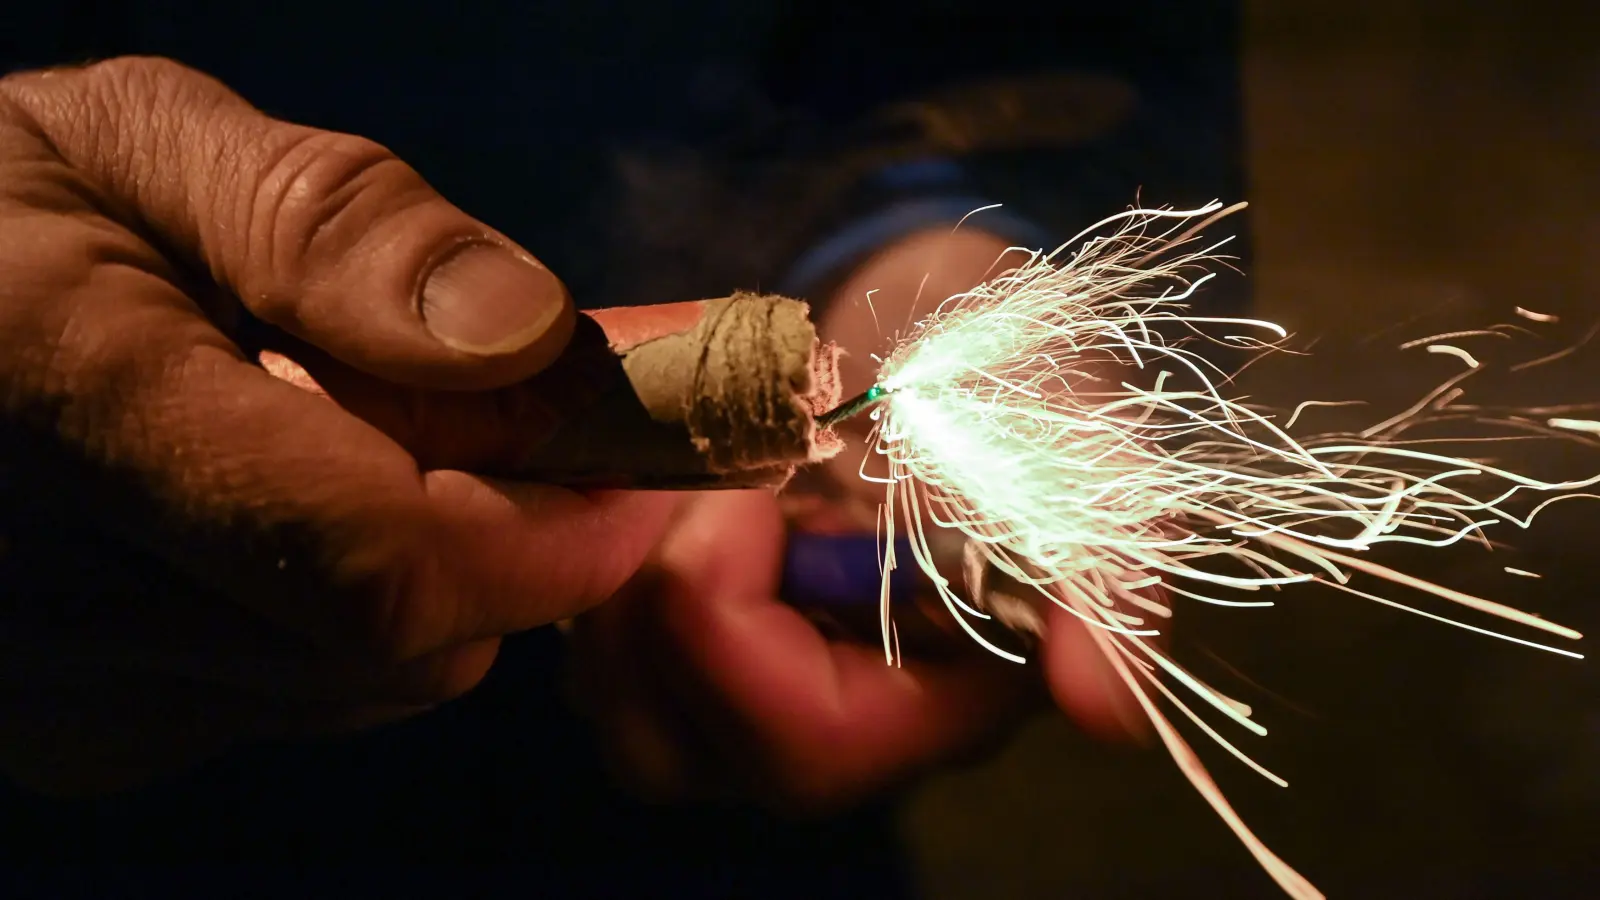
(1065, 418)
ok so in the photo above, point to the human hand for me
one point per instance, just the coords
(702, 682)
(195, 552)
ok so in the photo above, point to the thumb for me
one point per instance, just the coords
(327, 236)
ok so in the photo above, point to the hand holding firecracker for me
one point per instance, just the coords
(1062, 421)
(1060, 425)
(201, 550)
(343, 568)
(1013, 418)
(706, 683)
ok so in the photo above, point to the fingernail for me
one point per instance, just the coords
(486, 299)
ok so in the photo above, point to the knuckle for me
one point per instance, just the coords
(315, 199)
(137, 70)
(398, 608)
(159, 89)
(98, 94)
(137, 76)
(118, 120)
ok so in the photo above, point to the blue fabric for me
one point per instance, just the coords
(864, 236)
(833, 570)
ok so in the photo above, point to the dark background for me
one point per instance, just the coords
(1402, 158)
(1414, 167)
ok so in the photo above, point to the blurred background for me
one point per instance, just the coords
(1428, 163)
(1413, 167)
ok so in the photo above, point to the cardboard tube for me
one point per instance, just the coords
(707, 394)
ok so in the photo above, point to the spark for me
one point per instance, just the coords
(1537, 316)
(1108, 496)
(1452, 350)
(1475, 332)
(873, 309)
(1586, 425)
(1523, 572)
(1306, 404)
(1559, 354)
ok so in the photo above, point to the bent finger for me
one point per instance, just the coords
(833, 720)
(327, 236)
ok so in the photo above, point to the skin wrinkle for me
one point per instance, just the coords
(259, 209)
(149, 91)
(95, 202)
(98, 136)
(312, 189)
(359, 179)
(224, 472)
(360, 164)
(221, 203)
(88, 364)
(284, 177)
(21, 107)
(142, 152)
(44, 184)
(146, 420)
(416, 199)
(141, 422)
(95, 123)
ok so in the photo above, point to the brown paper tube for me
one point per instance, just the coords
(706, 394)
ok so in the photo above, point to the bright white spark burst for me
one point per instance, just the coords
(1007, 416)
